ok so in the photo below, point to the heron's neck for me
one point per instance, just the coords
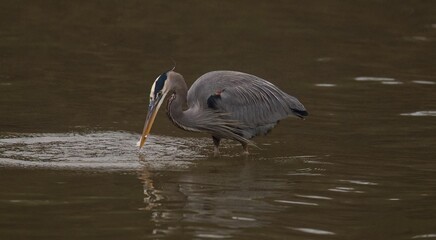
(176, 103)
(175, 110)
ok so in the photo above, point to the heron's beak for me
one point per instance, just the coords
(153, 108)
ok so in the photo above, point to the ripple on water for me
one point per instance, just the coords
(314, 231)
(420, 114)
(430, 235)
(325, 85)
(296, 202)
(96, 150)
(213, 236)
(359, 182)
(380, 79)
(417, 39)
(313, 197)
(423, 82)
(243, 219)
(345, 190)
(391, 82)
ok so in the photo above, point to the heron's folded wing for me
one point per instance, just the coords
(255, 101)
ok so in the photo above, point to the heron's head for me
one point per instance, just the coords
(158, 92)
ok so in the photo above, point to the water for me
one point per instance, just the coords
(108, 151)
(74, 82)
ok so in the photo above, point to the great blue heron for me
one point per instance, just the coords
(226, 104)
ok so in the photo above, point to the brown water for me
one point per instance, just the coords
(74, 82)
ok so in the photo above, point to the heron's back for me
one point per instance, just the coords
(256, 103)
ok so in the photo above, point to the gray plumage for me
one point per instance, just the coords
(228, 104)
(254, 102)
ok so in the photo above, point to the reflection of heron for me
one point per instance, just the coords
(226, 104)
(151, 195)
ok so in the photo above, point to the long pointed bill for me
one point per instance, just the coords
(153, 108)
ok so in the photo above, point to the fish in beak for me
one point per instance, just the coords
(153, 108)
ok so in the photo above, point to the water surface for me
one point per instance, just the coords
(74, 82)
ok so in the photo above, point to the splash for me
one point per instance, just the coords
(108, 151)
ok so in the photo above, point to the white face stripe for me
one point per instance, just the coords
(152, 89)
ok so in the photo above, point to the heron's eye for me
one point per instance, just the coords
(159, 94)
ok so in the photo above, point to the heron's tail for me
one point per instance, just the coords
(296, 107)
(300, 113)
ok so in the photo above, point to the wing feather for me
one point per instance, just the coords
(253, 101)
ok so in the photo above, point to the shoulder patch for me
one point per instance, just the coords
(212, 101)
